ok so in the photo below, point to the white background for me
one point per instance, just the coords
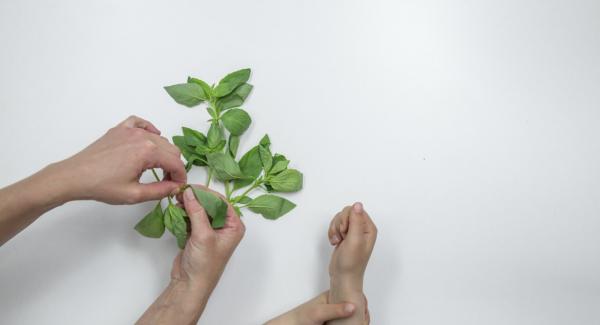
(469, 129)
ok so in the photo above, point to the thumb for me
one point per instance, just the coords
(156, 190)
(325, 312)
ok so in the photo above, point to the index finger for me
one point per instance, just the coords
(138, 122)
(170, 164)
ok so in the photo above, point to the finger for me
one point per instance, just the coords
(325, 312)
(164, 144)
(367, 314)
(196, 213)
(138, 122)
(170, 164)
(233, 221)
(344, 221)
(358, 220)
(153, 191)
(334, 233)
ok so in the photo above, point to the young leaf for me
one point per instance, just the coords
(152, 225)
(265, 141)
(234, 143)
(231, 82)
(289, 180)
(190, 154)
(280, 163)
(271, 206)
(215, 135)
(205, 87)
(214, 206)
(236, 98)
(265, 158)
(250, 165)
(188, 95)
(236, 121)
(224, 166)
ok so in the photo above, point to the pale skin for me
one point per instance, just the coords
(353, 234)
(109, 171)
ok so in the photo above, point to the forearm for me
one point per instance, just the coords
(348, 289)
(23, 202)
(180, 303)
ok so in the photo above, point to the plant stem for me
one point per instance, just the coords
(255, 185)
(209, 177)
(227, 190)
(155, 175)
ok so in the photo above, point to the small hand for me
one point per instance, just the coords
(208, 250)
(316, 311)
(109, 169)
(354, 234)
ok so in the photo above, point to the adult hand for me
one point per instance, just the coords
(316, 311)
(208, 250)
(109, 169)
(354, 234)
(197, 268)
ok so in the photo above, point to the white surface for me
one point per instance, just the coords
(469, 129)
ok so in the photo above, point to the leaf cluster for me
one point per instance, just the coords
(216, 150)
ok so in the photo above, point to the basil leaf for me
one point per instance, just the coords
(152, 225)
(271, 206)
(178, 224)
(190, 154)
(289, 180)
(205, 87)
(236, 121)
(236, 98)
(214, 206)
(234, 143)
(265, 158)
(193, 137)
(167, 220)
(242, 199)
(215, 135)
(238, 211)
(231, 82)
(265, 141)
(224, 166)
(188, 95)
(250, 165)
(280, 164)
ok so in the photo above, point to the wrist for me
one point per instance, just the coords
(60, 182)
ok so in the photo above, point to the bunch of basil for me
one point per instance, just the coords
(216, 151)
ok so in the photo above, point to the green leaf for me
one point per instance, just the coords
(178, 224)
(236, 121)
(168, 220)
(289, 180)
(250, 165)
(265, 141)
(214, 206)
(280, 164)
(238, 211)
(224, 166)
(205, 87)
(186, 94)
(236, 98)
(242, 199)
(193, 137)
(152, 225)
(215, 135)
(231, 82)
(234, 143)
(265, 158)
(189, 153)
(271, 206)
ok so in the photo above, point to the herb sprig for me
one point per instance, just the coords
(216, 151)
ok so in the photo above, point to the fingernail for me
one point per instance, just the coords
(357, 207)
(189, 195)
(335, 239)
(349, 308)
